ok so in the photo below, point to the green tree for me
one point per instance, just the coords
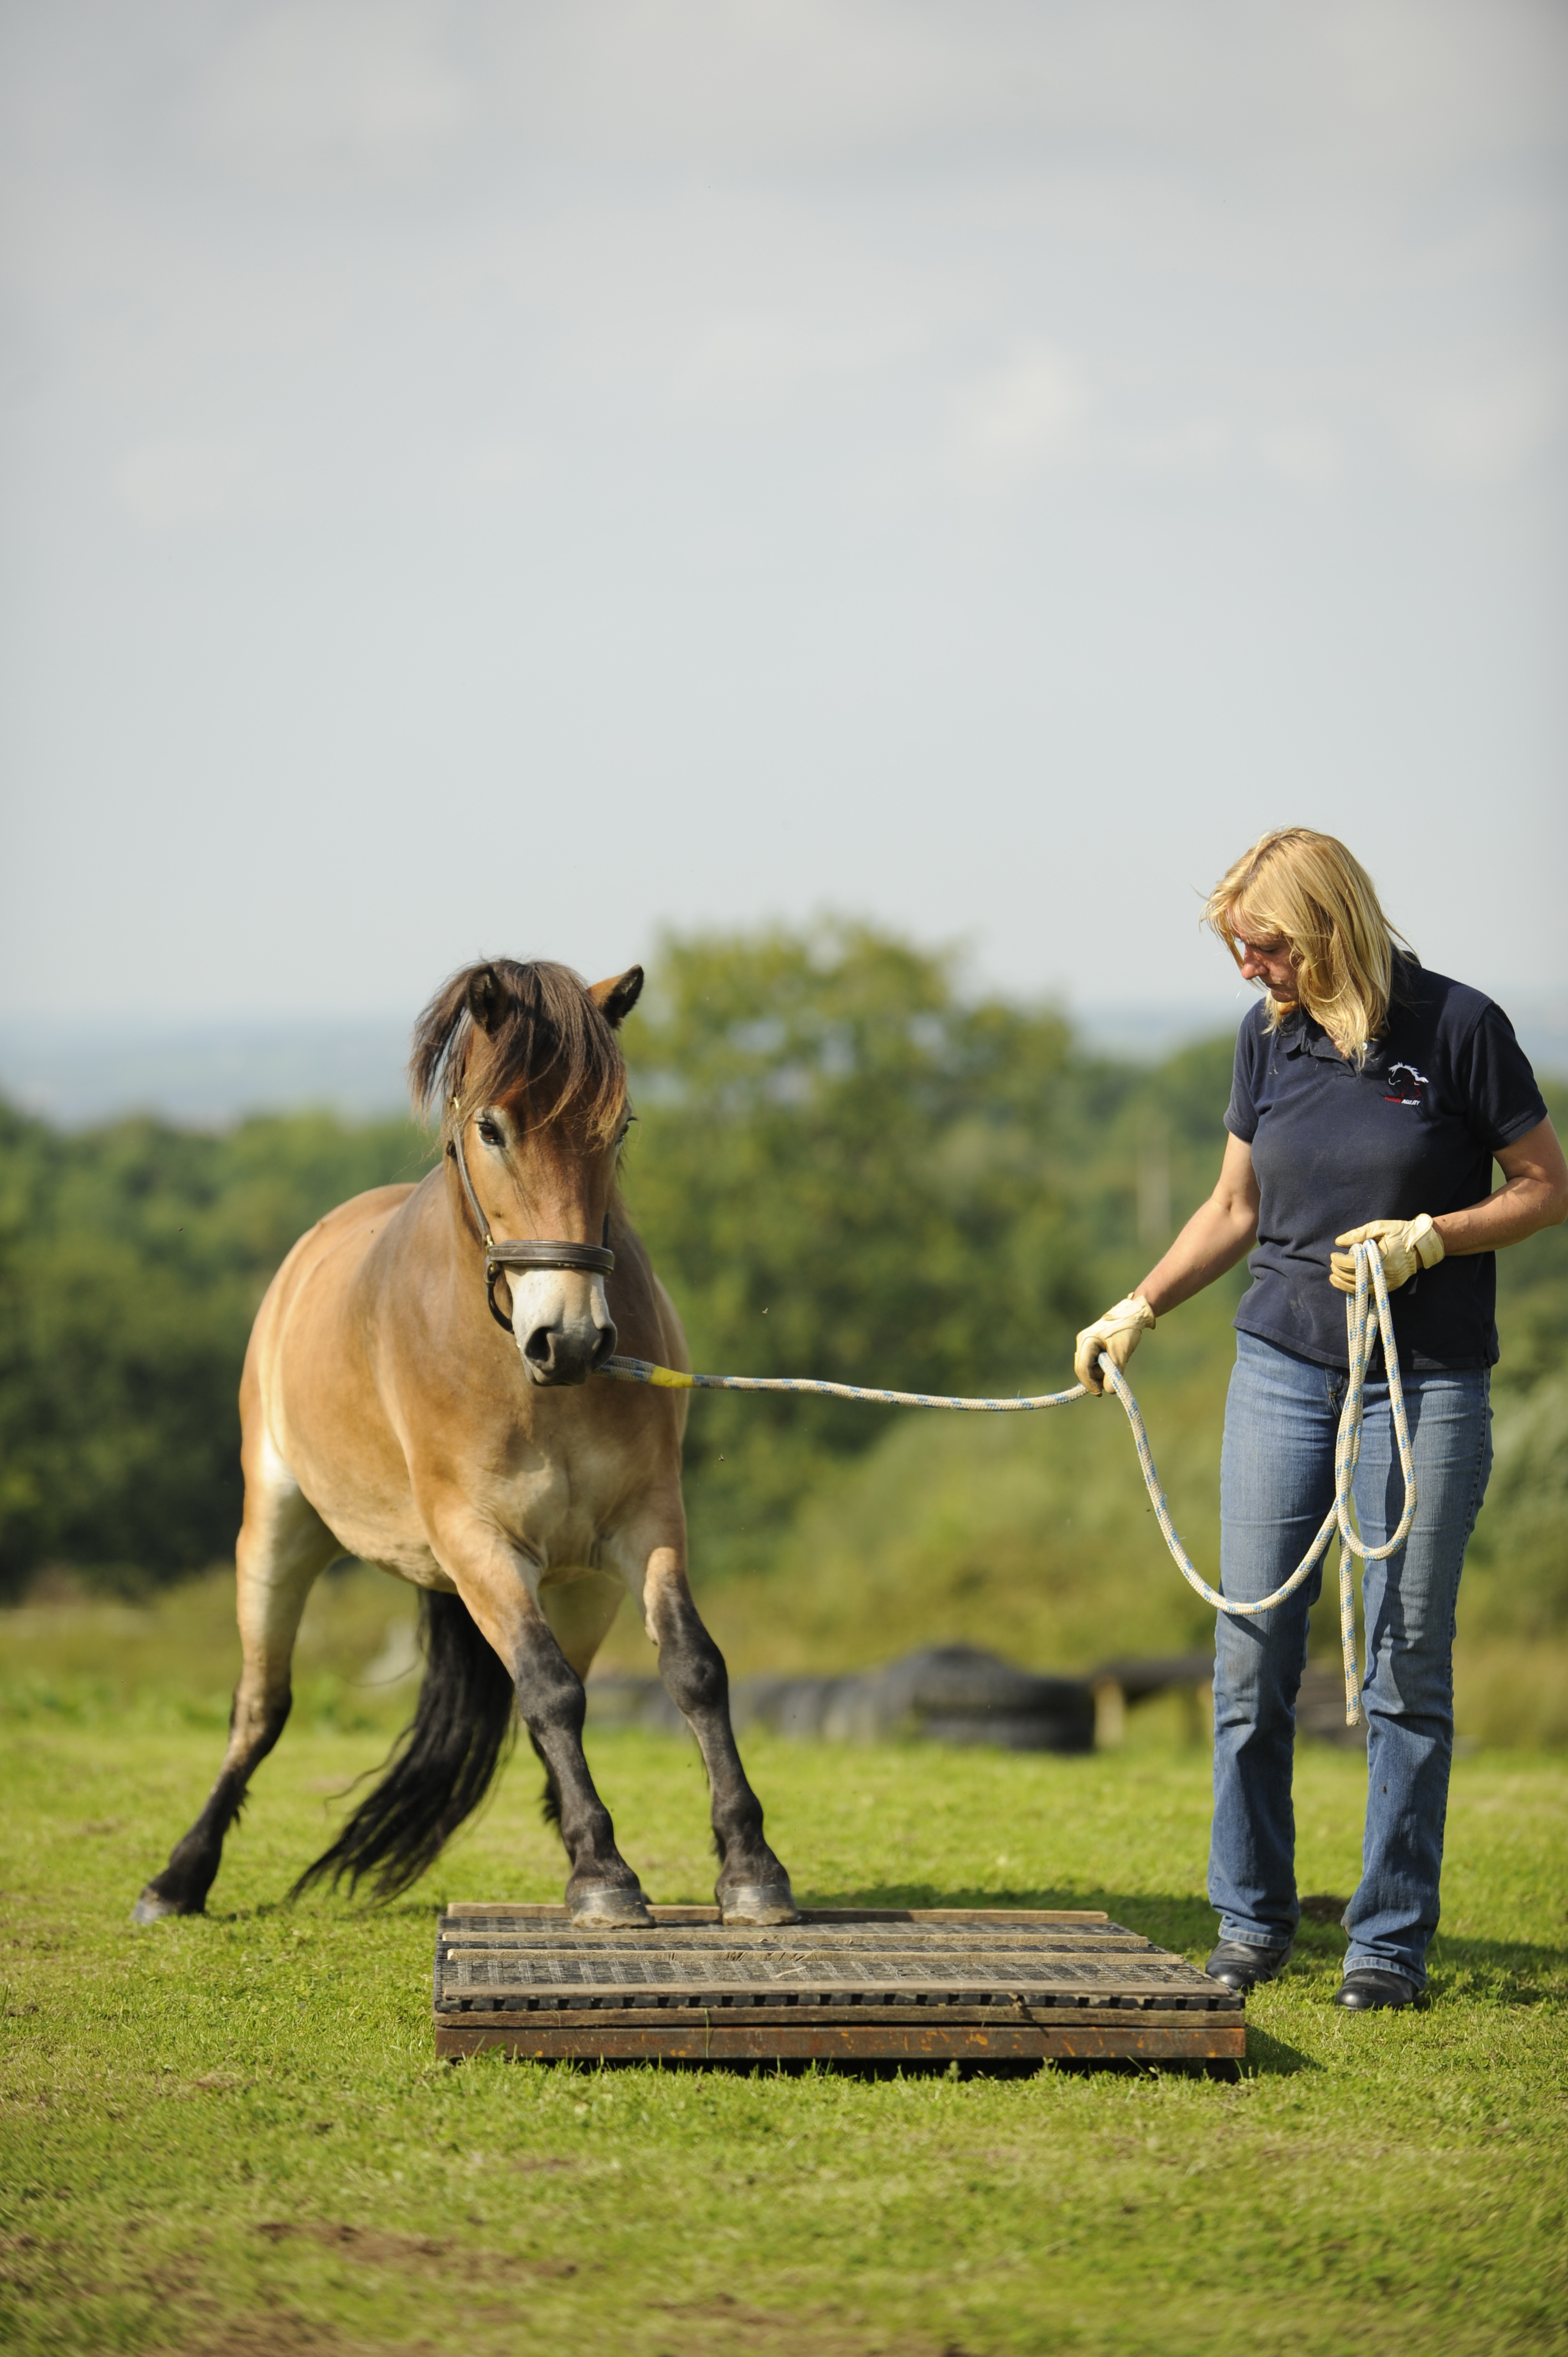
(132, 1260)
(845, 1170)
(845, 1167)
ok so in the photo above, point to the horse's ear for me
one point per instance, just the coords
(487, 999)
(616, 998)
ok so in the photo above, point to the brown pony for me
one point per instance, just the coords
(384, 1415)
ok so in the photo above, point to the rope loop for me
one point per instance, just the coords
(1368, 1318)
(1361, 1328)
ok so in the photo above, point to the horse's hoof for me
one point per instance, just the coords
(757, 1903)
(609, 1906)
(152, 1907)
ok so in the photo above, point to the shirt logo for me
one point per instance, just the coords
(1405, 1085)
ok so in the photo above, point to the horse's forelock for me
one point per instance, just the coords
(550, 1044)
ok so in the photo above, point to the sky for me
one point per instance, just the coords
(484, 478)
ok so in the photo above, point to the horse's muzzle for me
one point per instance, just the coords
(562, 1324)
(561, 1354)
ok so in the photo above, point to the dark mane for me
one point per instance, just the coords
(501, 1028)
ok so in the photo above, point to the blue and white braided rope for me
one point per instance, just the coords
(1361, 1327)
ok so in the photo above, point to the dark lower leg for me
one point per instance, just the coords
(182, 1887)
(550, 1799)
(696, 1681)
(552, 1704)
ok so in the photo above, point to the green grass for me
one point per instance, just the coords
(230, 2134)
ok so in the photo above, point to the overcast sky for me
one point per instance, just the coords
(513, 476)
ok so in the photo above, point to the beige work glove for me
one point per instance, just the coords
(1404, 1246)
(1118, 1334)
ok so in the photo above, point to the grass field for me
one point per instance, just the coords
(229, 2136)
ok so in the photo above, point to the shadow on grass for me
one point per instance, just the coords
(1270, 2058)
(868, 2071)
(318, 1907)
(1486, 1972)
(1497, 1971)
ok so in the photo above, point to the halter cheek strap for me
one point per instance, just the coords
(524, 1251)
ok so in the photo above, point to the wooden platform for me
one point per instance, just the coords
(855, 1983)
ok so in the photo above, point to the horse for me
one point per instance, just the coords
(392, 1409)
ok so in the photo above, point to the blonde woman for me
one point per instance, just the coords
(1370, 1099)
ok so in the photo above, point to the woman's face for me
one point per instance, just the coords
(1265, 957)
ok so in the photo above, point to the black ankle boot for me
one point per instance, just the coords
(1368, 1990)
(1240, 1967)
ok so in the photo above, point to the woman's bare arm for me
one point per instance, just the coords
(1213, 1240)
(1534, 1196)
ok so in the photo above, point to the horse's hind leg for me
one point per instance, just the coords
(284, 1547)
(753, 1887)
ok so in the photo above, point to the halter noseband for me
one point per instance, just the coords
(523, 1252)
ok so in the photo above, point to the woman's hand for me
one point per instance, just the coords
(1213, 1240)
(1404, 1246)
(1534, 1195)
(1117, 1334)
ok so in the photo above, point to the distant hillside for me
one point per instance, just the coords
(843, 1168)
(210, 1075)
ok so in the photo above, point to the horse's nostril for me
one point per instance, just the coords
(563, 1354)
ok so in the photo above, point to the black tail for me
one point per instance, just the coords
(442, 1765)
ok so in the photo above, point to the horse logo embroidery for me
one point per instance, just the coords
(1405, 1085)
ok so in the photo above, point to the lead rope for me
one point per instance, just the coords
(1371, 1293)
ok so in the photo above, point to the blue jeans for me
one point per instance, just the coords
(1276, 1484)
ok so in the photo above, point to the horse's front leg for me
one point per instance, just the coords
(501, 1592)
(753, 1887)
(601, 1887)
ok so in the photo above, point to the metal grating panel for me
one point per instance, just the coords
(872, 1984)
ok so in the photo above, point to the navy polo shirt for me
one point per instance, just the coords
(1414, 1130)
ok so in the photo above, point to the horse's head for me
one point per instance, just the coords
(532, 1085)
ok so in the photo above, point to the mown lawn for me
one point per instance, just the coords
(230, 2136)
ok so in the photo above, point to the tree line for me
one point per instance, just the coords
(845, 1165)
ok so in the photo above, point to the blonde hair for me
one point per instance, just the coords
(1306, 890)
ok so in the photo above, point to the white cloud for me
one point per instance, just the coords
(1391, 85)
(497, 277)
(1304, 452)
(1486, 430)
(1020, 417)
(169, 483)
(749, 363)
(750, 82)
(1193, 447)
(318, 92)
(493, 473)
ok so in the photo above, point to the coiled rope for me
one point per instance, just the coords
(1361, 1328)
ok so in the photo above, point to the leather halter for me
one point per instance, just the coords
(523, 1252)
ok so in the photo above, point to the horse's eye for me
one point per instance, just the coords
(489, 1131)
